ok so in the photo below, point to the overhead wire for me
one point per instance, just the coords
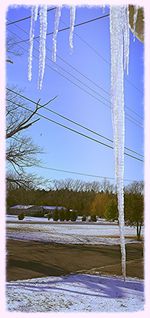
(67, 28)
(68, 119)
(81, 173)
(73, 130)
(104, 59)
(60, 170)
(129, 117)
(26, 18)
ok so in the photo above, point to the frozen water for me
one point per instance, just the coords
(119, 57)
(34, 14)
(56, 26)
(103, 8)
(72, 22)
(126, 39)
(42, 44)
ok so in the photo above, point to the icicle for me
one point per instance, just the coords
(126, 40)
(103, 8)
(136, 8)
(34, 14)
(119, 41)
(72, 22)
(42, 44)
(56, 26)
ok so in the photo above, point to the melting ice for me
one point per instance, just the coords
(72, 22)
(119, 37)
(34, 14)
(42, 44)
(56, 26)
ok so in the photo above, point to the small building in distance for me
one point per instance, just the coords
(34, 209)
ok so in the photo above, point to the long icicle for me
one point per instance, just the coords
(56, 26)
(42, 44)
(126, 40)
(34, 14)
(119, 42)
(72, 23)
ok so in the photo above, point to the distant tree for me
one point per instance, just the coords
(62, 215)
(134, 205)
(73, 216)
(107, 187)
(49, 215)
(93, 218)
(83, 218)
(55, 215)
(21, 216)
(67, 215)
(98, 205)
(111, 212)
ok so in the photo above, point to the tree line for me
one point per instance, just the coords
(86, 198)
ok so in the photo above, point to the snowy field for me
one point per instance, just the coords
(14, 218)
(69, 233)
(75, 293)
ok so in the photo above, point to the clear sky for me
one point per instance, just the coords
(91, 57)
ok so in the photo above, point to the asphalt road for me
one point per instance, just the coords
(28, 259)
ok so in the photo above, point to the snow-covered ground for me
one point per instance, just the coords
(75, 293)
(69, 233)
(14, 218)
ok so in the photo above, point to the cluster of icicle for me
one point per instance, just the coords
(42, 12)
(119, 37)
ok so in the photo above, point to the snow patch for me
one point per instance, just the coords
(69, 233)
(77, 292)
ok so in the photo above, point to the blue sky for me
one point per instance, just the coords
(91, 57)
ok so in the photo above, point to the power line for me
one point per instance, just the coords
(64, 126)
(76, 25)
(129, 117)
(93, 82)
(70, 120)
(73, 130)
(67, 28)
(26, 18)
(103, 58)
(80, 173)
(77, 132)
(84, 77)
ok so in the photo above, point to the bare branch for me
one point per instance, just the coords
(9, 61)
(21, 152)
(19, 128)
(51, 100)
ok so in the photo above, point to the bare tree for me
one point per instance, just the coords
(21, 152)
(12, 49)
